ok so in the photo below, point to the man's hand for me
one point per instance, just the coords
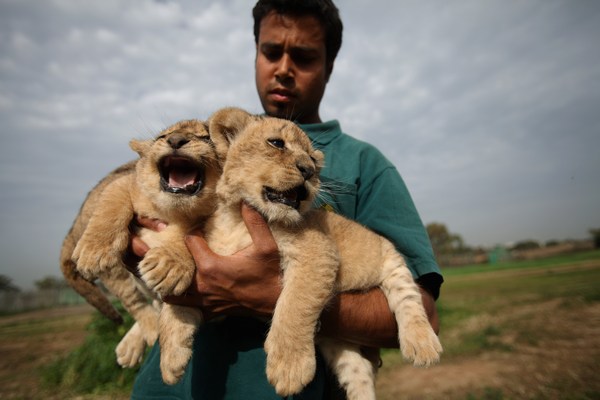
(245, 283)
(249, 283)
(137, 248)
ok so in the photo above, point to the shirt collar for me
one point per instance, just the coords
(322, 133)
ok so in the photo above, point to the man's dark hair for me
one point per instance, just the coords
(324, 10)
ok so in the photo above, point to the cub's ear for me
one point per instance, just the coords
(140, 146)
(224, 125)
(319, 158)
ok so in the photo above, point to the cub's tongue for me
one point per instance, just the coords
(182, 177)
(181, 173)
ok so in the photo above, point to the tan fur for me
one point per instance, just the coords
(321, 253)
(85, 288)
(100, 248)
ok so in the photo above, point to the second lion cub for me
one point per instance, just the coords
(174, 181)
(272, 166)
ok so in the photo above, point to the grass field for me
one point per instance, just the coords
(526, 330)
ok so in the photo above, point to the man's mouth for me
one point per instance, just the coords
(181, 175)
(281, 95)
(290, 198)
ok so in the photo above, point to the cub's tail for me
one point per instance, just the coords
(88, 290)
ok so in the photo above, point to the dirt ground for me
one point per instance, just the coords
(33, 339)
(562, 362)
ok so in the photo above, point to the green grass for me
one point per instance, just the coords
(487, 394)
(92, 368)
(482, 309)
(473, 296)
(556, 261)
(531, 324)
(36, 326)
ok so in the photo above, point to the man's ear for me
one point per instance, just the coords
(140, 146)
(224, 125)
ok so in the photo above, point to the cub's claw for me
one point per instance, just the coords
(289, 370)
(131, 348)
(420, 345)
(165, 272)
(92, 260)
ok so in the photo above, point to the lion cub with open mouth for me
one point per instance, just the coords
(174, 181)
(271, 165)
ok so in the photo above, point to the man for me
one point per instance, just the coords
(296, 45)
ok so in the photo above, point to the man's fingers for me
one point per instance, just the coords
(151, 223)
(197, 245)
(259, 230)
(139, 247)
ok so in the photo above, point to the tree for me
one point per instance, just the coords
(50, 282)
(526, 245)
(6, 285)
(596, 236)
(443, 241)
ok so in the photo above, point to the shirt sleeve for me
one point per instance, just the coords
(385, 206)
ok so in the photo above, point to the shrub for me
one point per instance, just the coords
(92, 367)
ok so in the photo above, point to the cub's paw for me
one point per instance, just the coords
(174, 358)
(92, 259)
(172, 365)
(177, 326)
(289, 368)
(130, 349)
(420, 344)
(147, 319)
(166, 272)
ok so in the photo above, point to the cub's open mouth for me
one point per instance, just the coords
(290, 198)
(181, 175)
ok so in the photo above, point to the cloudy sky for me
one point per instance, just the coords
(490, 109)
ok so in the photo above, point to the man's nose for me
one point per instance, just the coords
(284, 67)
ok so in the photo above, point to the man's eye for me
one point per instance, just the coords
(303, 60)
(304, 57)
(272, 55)
(277, 143)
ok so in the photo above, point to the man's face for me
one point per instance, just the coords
(291, 68)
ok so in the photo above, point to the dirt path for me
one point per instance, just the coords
(565, 358)
(550, 350)
(30, 340)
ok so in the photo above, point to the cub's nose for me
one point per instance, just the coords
(306, 171)
(177, 140)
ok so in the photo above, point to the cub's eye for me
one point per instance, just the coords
(160, 137)
(204, 138)
(277, 143)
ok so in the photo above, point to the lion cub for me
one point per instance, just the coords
(118, 281)
(174, 180)
(271, 165)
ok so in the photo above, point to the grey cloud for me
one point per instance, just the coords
(488, 109)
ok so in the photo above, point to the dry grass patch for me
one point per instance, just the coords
(514, 334)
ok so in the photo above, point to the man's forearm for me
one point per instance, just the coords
(365, 318)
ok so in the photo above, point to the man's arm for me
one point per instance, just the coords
(365, 318)
(249, 283)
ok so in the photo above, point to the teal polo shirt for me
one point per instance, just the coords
(228, 361)
(361, 184)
